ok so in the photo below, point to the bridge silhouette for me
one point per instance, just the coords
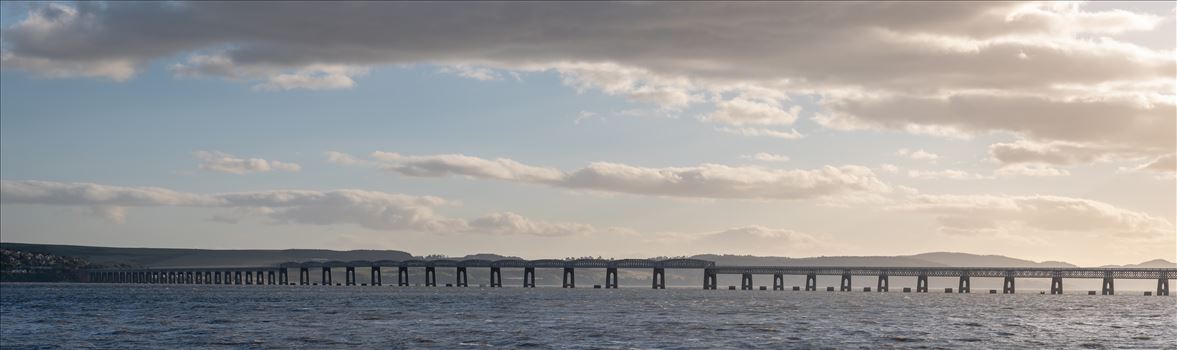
(279, 274)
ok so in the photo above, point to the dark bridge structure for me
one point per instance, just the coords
(279, 274)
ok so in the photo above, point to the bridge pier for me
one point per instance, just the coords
(1056, 285)
(1162, 286)
(528, 277)
(270, 277)
(1007, 287)
(921, 283)
(611, 278)
(217, 277)
(569, 277)
(963, 286)
(349, 276)
(325, 279)
(778, 282)
(884, 283)
(746, 281)
(284, 276)
(248, 277)
(402, 276)
(496, 277)
(304, 276)
(1109, 286)
(375, 276)
(811, 282)
(659, 278)
(845, 282)
(463, 280)
(236, 277)
(710, 279)
(430, 276)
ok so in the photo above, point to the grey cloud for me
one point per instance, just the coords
(987, 213)
(369, 209)
(966, 67)
(702, 181)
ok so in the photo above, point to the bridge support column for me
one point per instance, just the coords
(1162, 286)
(611, 278)
(430, 276)
(884, 283)
(217, 277)
(496, 277)
(325, 278)
(710, 279)
(248, 277)
(921, 284)
(746, 281)
(349, 276)
(236, 277)
(1109, 286)
(778, 282)
(402, 276)
(528, 277)
(846, 282)
(375, 276)
(463, 280)
(569, 277)
(284, 276)
(811, 282)
(304, 276)
(659, 278)
(270, 277)
(1007, 287)
(963, 286)
(1056, 285)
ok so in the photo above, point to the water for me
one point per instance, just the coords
(71, 316)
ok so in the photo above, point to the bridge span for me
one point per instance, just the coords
(279, 274)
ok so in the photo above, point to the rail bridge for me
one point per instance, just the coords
(279, 274)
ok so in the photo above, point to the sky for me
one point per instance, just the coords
(1044, 131)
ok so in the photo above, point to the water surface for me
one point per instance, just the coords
(71, 316)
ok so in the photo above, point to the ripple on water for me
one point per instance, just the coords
(110, 316)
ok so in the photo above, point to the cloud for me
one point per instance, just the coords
(767, 157)
(1165, 167)
(760, 240)
(1036, 170)
(918, 154)
(368, 209)
(472, 72)
(951, 69)
(1025, 215)
(230, 164)
(792, 134)
(702, 181)
(944, 174)
(511, 223)
(345, 159)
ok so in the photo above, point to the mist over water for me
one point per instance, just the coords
(269, 317)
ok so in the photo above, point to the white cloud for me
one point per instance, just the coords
(369, 209)
(472, 72)
(950, 174)
(1027, 215)
(767, 157)
(792, 134)
(230, 164)
(744, 111)
(917, 154)
(702, 181)
(889, 168)
(511, 223)
(345, 159)
(1036, 170)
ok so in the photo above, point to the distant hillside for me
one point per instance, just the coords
(1153, 264)
(167, 257)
